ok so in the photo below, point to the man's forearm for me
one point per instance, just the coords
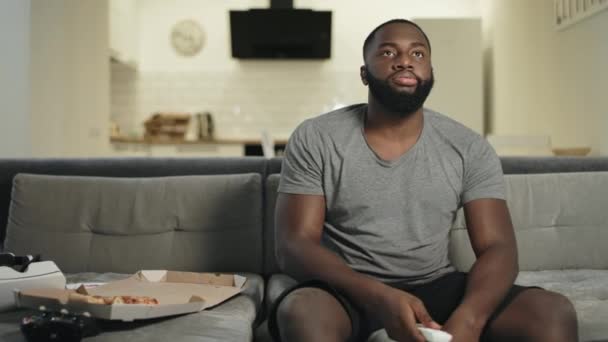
(488, 282)
(309, 260)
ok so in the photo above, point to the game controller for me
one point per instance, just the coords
(48, 326)
(434, 335)
(25, 272)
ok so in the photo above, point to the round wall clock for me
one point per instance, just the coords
(187, 38)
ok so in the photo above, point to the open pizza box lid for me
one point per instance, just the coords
(176, 292)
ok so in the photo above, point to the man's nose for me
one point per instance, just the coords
(403, 62)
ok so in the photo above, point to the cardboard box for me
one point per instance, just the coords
(177, 293)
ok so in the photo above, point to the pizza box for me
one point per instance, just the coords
(176, 292)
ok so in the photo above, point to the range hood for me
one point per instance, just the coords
(280, 32)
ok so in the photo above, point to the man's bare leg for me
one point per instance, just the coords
(312, 314)
(536, 315)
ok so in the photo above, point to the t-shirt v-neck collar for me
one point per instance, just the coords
(402, 158)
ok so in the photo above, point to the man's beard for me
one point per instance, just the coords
(400, 102)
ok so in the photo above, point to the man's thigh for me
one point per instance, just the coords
(440, 297)
(536, 315)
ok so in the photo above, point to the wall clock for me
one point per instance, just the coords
(187, 38)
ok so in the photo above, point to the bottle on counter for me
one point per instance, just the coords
(205, 126)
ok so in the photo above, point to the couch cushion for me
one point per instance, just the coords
(120, 167)
(560, 212)
(101, 224)
(560, 220)
(232, 320)
(588, 291)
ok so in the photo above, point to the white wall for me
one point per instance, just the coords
(457, 61)
(14, 78)
(70, 78)
(248, 96)
(547, 82)
(351, 24)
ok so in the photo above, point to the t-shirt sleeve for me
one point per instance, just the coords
(302, 168)
(483, 177)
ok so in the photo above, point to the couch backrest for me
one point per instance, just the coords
(560, 221)
(535, 165)
(120, 167)
(102, 224)
(270, 263)
(161, 167)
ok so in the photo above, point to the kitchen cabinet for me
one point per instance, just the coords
(123, 32)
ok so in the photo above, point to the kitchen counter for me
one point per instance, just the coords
(218, 141)
(140, 146)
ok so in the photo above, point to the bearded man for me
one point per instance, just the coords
(367, 196)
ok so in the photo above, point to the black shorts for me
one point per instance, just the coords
(440, 297)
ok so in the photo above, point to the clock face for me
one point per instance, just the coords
(187, 38)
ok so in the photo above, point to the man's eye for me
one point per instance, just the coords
(388, 53)
(418, 54)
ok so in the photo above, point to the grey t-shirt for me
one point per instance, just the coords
(390, 219)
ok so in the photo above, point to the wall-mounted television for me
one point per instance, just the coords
(280, 34)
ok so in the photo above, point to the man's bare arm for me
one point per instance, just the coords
(492, 275)
(299, 220)
(299, 225)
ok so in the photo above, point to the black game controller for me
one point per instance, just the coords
(61, 326)
(18, 263)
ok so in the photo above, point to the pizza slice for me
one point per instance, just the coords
(111, 300)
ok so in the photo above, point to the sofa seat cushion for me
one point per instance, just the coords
(232, 320)
(588, 291)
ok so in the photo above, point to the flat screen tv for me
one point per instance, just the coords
(280, 34)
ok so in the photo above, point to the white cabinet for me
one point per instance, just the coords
(123, 32)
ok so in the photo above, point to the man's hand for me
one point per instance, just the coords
(461, 327)
(399, 312)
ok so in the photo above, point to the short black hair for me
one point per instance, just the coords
(370, 37)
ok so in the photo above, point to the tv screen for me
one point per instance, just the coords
(281, 33)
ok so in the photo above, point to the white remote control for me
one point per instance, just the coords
(434, 335)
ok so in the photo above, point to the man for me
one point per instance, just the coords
(366, 200)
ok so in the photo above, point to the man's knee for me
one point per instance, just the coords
(296, 305)
(536, 315)
(560, 316)
(553, 317)
(312, 313)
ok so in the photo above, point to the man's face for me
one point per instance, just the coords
(398, 68)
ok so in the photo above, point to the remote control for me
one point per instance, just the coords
(434, 335)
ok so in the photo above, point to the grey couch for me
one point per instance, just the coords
(101, 219)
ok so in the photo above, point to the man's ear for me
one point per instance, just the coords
(363, 74)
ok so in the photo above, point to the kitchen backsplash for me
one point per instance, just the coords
(257, 96)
